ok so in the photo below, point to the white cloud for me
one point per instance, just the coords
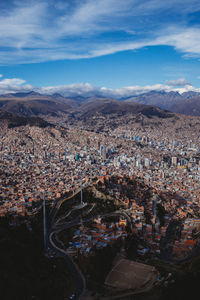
(12, 82)
(87, 90)
(1, 75)
(21, 26)
(178, 82)
(13, 85)
(186, 40)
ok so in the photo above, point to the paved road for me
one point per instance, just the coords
(58, 203)
(76, 273)
(56, 227)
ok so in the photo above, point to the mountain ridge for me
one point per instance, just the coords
(35, 104)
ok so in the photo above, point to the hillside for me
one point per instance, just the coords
(161, 99)
(10, 120)
(187, 103)
(151, 104)
(34, 104)
(100, 114)
(110, 106)
(190, 106)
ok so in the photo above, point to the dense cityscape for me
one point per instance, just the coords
(150, 175)
(153, 177)
(37, 161)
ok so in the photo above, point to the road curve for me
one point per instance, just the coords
(55, 227)
(76, 273)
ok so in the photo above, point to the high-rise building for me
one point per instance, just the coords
(183, 162)
(137, 138)
(146, 162)
(101, 150)
(138, 162)
(104, 153)
(174, 161)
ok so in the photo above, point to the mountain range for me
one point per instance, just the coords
(153, 103)
(187, 103)
(35, 104)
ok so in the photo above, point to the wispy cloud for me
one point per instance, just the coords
(94, 16)
(41, 30)
(178, 82)
(186, 40)
(21, 26)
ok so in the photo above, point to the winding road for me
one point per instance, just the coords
(56, 227)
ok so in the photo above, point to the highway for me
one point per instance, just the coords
(56, 227)
(76, 273)
(58, 204)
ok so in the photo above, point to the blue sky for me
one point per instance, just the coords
(115, 47)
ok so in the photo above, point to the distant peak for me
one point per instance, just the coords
(26, 94)
(57, 95)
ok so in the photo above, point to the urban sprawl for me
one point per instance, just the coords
(37, 163)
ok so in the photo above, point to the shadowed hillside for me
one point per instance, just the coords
(25, 272)
(10, 120)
